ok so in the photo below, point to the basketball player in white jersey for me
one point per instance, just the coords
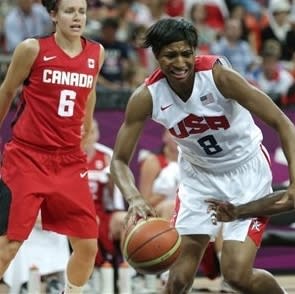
(207, 108)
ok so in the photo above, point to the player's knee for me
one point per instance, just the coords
(179, 283)
(87, 250)
(238, 279)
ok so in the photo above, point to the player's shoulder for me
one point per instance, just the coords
(141, 94)
(94, 47)
(28, 48)
(140, 102)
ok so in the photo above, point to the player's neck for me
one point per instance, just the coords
(71, 47)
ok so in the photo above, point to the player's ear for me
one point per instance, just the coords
(53, 16)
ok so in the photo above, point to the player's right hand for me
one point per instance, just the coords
(221, 211)
(138, 209)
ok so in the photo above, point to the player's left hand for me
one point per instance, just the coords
(138, 209)
(221, 211)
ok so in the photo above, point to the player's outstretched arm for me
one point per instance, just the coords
(139, 109)
(274, 203)
(233, 86)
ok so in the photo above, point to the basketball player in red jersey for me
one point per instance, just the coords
(162, 195)
(43, 165)
(207, 107)
(109, 203)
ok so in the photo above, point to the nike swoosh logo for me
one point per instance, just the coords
(47, 58)
(84, 174)
(165, 107)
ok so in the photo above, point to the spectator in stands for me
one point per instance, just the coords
(175, 8)
(248, 34)
(278, 25)
(288, 100)
(95, 13)
(118, 56)
(135, 75)
(207, 35)
(271, 77)
(216, 12)
(141, 12)
(124, 14)
(141, 54)
(290, 41)
(238, 51)
(158, 9)
(5, 6)
(255, 18)
(26, 19)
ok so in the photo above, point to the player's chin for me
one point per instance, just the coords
(75, 32)
(179, 78)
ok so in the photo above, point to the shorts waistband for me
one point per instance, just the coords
(46, 149)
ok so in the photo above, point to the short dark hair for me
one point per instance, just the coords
(50, 5)
(170, 30)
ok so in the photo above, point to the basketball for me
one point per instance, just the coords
(151, 246)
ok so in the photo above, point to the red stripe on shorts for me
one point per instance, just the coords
(266, 154)
(176, 210)
(257, 228)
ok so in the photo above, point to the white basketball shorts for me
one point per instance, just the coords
(250, 181)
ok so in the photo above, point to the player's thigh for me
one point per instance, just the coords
(237, 258)
(192, 250)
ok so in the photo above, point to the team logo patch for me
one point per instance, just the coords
(91, 63)
(207, 99)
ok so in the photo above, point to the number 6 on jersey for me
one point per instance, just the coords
(66, 103)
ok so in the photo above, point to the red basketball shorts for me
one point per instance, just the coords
(55, 182)
(105, 242)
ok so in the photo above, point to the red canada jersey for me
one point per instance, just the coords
(54, 96)
(98, 169)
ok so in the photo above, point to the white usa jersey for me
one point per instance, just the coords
(213, 132)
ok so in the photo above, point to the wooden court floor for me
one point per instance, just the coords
(203, 285)
(206, 286)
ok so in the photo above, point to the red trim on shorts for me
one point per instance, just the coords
(257, 228)
(176, 210)
(266, 154)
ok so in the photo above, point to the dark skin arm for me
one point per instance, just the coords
(234, 86)
(139, 109)
(274, 203)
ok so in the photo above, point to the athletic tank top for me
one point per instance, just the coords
(98, 177)
(213, 132)
(54, 96)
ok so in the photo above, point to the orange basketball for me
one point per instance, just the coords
(151, 246)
